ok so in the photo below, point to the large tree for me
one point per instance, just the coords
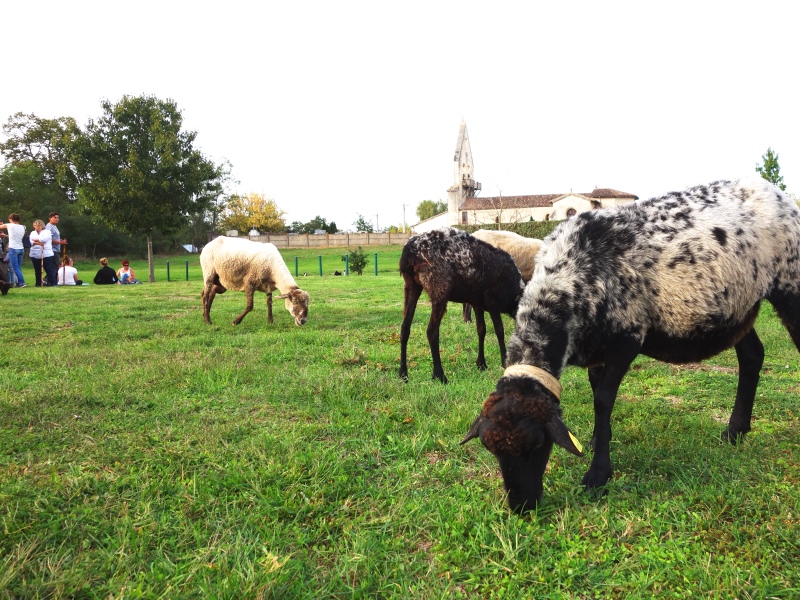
(45, 143)
(428, 208)
(771, 170)
(253, 211)
(138, 169)
(361, 224)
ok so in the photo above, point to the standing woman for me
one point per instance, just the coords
(15, 248)
(41, 254)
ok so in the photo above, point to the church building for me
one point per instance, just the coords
(465, 207)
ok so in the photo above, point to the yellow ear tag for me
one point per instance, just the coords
(575, 441)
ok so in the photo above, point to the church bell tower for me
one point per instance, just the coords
(464, 186)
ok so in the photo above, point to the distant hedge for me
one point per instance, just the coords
(531, 229)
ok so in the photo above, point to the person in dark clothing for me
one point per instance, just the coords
(105, 275)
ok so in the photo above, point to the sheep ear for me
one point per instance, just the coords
(564, 437)
(474, 431)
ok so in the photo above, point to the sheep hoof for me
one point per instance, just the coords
(596, 482)
(441, 378)
(733, 437)
(482, 366)
(403, 375)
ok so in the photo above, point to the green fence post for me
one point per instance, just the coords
(187, 270)
(347, 264)
(320, 265)
(376, 264)
(167, 270)
(295, 267)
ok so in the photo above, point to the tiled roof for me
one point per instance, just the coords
(537, 201)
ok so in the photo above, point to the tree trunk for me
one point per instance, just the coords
(150, 258)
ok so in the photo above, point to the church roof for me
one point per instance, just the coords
(537, 201)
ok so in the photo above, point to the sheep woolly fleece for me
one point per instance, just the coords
(235, 264)
(522, 249)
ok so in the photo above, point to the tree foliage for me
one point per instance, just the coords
(357, 260)
(315, 224)
(771, 170)
(361, 224)
(253, 211)
(428, 208)
(138, 169)
(45, 143)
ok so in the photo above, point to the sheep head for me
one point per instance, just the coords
(519, 423)
(296, 302)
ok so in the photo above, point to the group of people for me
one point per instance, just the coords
(45, 254)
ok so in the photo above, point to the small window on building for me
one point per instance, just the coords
(497, 219)
(464, 217)
(571, 213)
(596, 205)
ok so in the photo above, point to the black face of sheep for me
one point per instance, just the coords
(519, 424)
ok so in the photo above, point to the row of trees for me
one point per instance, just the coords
(132, 173)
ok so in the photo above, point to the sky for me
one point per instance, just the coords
(345, 108)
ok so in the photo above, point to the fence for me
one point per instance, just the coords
(331, 240)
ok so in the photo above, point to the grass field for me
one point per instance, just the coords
(144, 454)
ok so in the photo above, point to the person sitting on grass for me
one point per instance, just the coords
(67, 274)
(105, 274)
(126, 274)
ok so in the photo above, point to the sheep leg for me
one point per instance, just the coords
(466, 312)
(480, 323)
(437, 313)
(787, 306)
(594, 377)
(750, 354)
(269, 307)
(497, 321)
(608, 381)
(411, 294)
(249, 294)
(208, 298)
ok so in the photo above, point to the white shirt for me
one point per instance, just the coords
(42, 236)
(68, 273)
(15, 234)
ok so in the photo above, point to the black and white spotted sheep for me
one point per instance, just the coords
(452, 266)
(678, 278)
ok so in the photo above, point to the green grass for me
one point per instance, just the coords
(144, 454)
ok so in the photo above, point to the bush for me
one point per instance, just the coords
(358, 260)
(532, 229)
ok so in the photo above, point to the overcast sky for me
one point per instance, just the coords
(345, 108)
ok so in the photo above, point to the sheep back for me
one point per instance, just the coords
(522, 249)
(242, 264)
(451, 265)
(690, 265)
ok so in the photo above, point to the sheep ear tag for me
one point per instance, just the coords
(564, 437)
(575, 441)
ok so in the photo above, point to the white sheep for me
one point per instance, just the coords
(678, 278)
(245, 266)
(523, 251)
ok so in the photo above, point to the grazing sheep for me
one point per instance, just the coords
(678, 278)
(237, 264)
(523, 251)
(452, 266)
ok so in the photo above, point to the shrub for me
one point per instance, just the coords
(358, 260)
